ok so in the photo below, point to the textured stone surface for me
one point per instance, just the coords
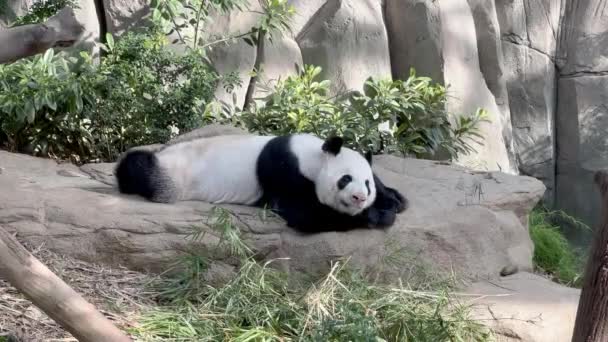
(348, 39)
(14, 9)
(582, 144)
(282, 59)
(468, 89)
(582, 114)
(87, 15)
(305, 11)
(414, 30)
(528, 31)
(123, 15)
(491, 64)
(584, 38)
(236, 56)
(77, 211)
(531, 84)
(526, 307)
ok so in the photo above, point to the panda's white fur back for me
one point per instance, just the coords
(220, 169)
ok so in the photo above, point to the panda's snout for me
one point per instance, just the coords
(358, 199)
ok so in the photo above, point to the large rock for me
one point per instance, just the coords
(528, 33)
(12, 9)
(584, 38)
(468, 89)
(78, 212)
(583, 149)
(531, 85)
(86, 12)
(348, 40)
(491, 64)
(124, 15)
(414, 31)
(582, 115)
(282, 58)
(525, 308)
(233, 56)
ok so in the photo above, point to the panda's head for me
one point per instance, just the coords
(345, 181)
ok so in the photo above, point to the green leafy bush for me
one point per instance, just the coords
(146, 93)
(553, 254)
(41, 100)
(411, 111)
(141, 92)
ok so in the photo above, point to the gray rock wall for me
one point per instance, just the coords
(539, 67)
(582, 112)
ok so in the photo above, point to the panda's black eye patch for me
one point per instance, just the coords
(343, 181)
(367, 185)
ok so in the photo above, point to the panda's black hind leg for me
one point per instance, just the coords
(139, 173)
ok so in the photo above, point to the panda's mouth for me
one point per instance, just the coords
(344, 203)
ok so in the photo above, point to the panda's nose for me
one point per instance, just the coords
(359, 198)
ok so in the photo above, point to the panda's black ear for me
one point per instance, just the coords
(368, 157)
(333, 145)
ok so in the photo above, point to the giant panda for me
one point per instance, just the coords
(315, 185)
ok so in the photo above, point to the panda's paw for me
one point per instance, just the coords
(381, 219)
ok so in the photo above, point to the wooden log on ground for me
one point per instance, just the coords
(60, 30)
(53, 296)
(591, 323)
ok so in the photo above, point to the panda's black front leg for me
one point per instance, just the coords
(388, 199)
(315, 218)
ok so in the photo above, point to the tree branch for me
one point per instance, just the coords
(60, 30)
(52, 295)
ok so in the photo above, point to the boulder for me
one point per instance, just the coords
(491, 64)
(527, 30)
(12, 9)
(282, 58)
(470, 223)
(233, 55)
(582, 115)
(348, 40)
(583, 149)
(531, 85)
(86, 12)
(525, 307)
(124, 15)
(414, 33)
(305, 10)
(584, 38)
(440, 40)
(468, 89)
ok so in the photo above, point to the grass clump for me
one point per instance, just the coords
(553, 254)
(259, 303)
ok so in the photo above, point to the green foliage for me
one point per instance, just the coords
(150, 92)
(42, 10)
(187, 18)
(411, 111)
(553, 253)
(276, 18)
(42, 103)
(141, 92)
(257, 304)
(181, 16)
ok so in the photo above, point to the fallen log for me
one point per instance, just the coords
(591, 323)
(53, 296)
